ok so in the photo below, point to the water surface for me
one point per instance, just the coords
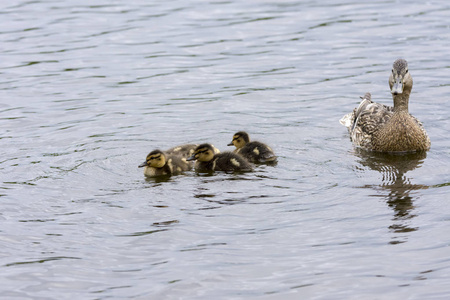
(87, 90)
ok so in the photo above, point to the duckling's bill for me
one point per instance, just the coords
(192, 157)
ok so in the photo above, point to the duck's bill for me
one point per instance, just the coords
(397, 88)
(143, 164)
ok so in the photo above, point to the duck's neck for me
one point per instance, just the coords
(401, 101)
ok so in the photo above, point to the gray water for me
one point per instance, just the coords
(88, 88)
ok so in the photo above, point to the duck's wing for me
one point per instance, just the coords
(369, 117)
(350, 119)
(364, 120)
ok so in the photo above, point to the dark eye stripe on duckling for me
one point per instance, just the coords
(158, 156)
(200, 151)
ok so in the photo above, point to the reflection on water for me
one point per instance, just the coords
(396, 187)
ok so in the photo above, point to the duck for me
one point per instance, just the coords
(207, 160)
(377, 127)
(255, 152)
(159, 163)
(184, 150)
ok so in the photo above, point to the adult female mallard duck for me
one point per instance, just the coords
(158, 163)
(208, 161)
(377, 127)
(254, 151)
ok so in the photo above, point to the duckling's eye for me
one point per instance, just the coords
(406, 71)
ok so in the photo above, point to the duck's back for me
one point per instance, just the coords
(230, 162)
(365, 120)
(182, 150)
(257, 152)
(178, 164)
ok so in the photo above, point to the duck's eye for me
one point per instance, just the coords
(406, 71)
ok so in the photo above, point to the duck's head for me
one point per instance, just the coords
(155, 159)
(204, 152)
(240, 139)
(400, 78)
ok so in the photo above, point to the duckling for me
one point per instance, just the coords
(185, 150)
(158, 163)
(255, 152)
(377, 127)
(208, 161)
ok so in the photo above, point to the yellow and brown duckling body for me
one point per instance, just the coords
(208, 160)
(254, 151)
(377, 127)
(158, 163)
(185, 150)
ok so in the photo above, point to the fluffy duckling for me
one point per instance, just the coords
(208, 161)
(255, 152)
(377, 127)
(158, 163)
(185, 150)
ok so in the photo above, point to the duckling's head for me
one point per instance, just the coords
(204, 152)
(400, 79)
(240, 139)
(155, 159)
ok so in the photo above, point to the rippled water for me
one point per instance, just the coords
(87, 90)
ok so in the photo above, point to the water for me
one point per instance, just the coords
(87, 90)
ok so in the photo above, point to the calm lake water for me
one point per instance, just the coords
(87, 89)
